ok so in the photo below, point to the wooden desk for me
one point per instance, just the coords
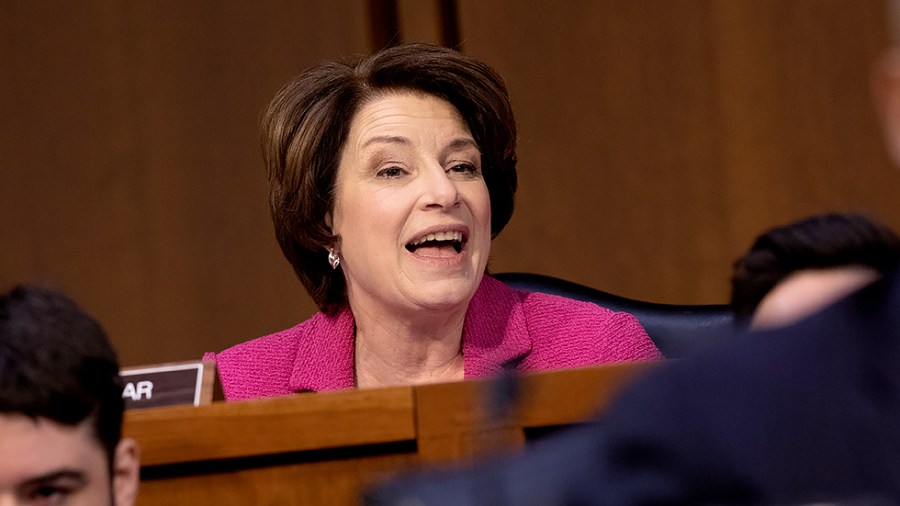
(323, 449)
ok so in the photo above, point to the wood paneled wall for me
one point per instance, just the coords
(131, 174)
(657, 139)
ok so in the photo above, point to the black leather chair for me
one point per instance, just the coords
(676, 329)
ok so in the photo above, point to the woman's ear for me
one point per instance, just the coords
(126, 471)
(328, 222)
(886, 93)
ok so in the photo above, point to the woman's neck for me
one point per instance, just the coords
(393, 351)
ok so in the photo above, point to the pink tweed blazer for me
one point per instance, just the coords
(536, 331)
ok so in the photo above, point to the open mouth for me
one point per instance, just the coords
(439, 244)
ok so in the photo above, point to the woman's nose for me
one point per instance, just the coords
(439, 190)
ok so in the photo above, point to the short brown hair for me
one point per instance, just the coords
(304, 129)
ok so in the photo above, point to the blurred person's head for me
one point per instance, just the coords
(61, 406)
(886, 85)
(794, 270)
(390, 166)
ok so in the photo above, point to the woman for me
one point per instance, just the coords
(388, 178)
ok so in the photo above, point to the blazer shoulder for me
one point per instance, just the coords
(578, 333)
(260, 367)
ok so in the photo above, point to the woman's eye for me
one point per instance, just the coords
(390, 172)
(464, 168)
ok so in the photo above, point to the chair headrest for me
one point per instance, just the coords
(676, 329)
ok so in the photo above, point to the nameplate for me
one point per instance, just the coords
(171, 384)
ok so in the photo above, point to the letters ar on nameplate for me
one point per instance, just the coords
(190, 383)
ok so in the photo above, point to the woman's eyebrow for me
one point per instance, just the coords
(462, 142)
(459, 144)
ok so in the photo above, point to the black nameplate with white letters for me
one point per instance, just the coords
(163, 385)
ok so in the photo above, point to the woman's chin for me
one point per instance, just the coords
(444, 294)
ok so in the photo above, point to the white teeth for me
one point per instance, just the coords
(440, 236)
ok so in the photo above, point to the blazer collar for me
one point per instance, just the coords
(496, 331)
(495, 334)
(324, 359)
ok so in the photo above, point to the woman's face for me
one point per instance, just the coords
(411, 208)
